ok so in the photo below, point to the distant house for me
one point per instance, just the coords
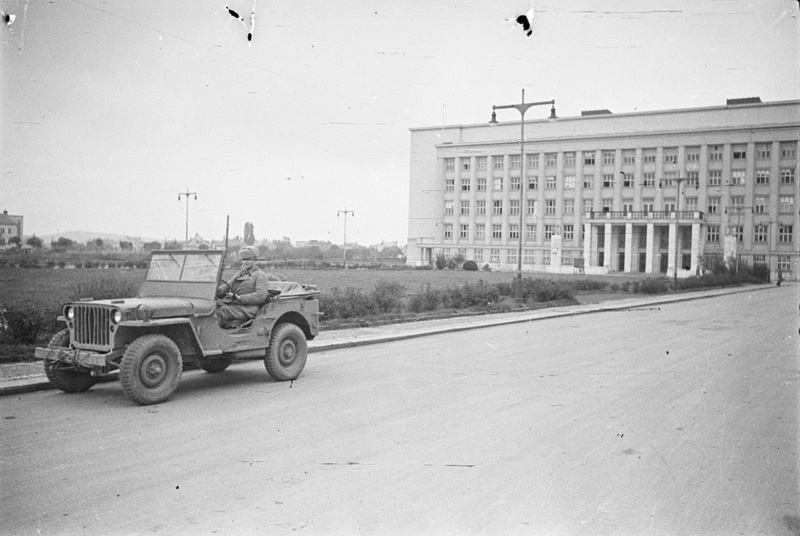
(10, 226)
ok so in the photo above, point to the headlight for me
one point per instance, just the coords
(116, 316)
(69, 313)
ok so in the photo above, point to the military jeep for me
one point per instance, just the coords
(172, 322)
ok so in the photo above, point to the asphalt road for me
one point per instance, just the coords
(680, 419)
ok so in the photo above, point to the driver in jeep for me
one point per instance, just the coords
(239, 299)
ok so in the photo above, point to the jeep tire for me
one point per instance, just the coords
(150, 369)
(68, 380)
(287, 352)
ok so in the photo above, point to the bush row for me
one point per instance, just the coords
(49, 263)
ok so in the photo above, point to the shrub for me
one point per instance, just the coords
(545, 290)
(470, 266)
(652, 286)
(103, 288)
(588, 285)
(24, 324)
(486, 268)
(388, 295)
(428, 300)
(440, 262)
(352, 303)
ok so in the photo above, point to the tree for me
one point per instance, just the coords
(96, 243)
(16, 240)
(125, 245)
(151, 246)
(249, 237)
(34, 241)
(63, 244)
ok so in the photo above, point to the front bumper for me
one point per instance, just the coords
(77, 358)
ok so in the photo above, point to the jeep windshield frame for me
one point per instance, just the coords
(183, 274)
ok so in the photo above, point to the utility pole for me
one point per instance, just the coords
(187, 194)
(344, 253)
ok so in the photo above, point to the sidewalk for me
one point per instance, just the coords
(19, 378)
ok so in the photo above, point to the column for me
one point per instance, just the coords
(587, 244)
(608, 249)
(628, 247)
(650, 248)
(672, 262)
(696, 246)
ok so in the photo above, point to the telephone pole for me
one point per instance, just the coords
(345, 212)
(187, 194)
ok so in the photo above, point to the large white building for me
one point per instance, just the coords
(631, 192)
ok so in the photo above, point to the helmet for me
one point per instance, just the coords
(248, 253)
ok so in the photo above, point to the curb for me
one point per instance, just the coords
(40, 383)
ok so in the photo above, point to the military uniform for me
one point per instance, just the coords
(249, 288)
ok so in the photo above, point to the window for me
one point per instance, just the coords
(511, 255)
(533, 183)
(628, 157)
(549, 231)
(715, 177)
(608, 157)
(648, 205)
(448, 208)
(669, 204)
(514, 183)
(448, 231)
(759, 260)
(649, 179)
(738, 177)
(569, 160)
(530, 232)
(550, 207)
(449, 164)
(513, 208)
(738, 232)
(513, 232)
(693, 178)
(480, 232)
(449, 185)
(784, 263)
(649, 156)
(714, 152)
(497, 162)
(532, 209)
(497, 207)
(784, 233)
(760, 204)
(514, 161)
(608, 180)
(498, 183)
(786, 204)
(551, 159)
(588, 181)
(691, 204)
(481, 208)
(494, 255)
(480, 163)
(739, 152)
(527, 256)
(550, 182)
(788, 149)
(763, 151)
(465, 185)
(566, 258)
(693, 154)
(465, 208)
(533, 161)
(481, 184)
(787, 176)
(569, 207)
(669, 179)
(737, 202)
(546, 257)
(465, 164)
(569, 232)
(760, 233)
(671, 156)
(713, 205)
(712, 233)
(608, 205)
(762, 176)
(464, 231)
(588, 205)
(588, 159)
(627, 180)
(569, 182)
(497, 231)
(478, 255)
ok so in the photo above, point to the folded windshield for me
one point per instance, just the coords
(177, 266)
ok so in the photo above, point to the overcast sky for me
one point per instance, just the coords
(109, 109)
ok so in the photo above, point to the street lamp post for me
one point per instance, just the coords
(522, 108)
(187, 194)
(344, 252)
(738, 210)
(661, 184)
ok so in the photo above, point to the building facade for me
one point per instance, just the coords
(10, 226)
(646, 192)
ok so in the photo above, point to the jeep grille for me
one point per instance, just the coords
(91, 327)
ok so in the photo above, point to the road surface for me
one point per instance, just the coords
(678, 419)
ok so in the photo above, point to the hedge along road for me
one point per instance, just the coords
(673, 419)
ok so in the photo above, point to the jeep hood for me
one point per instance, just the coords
(159, 307)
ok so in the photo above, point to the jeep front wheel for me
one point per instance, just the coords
(68, 380)
(150, 369)
(287, 352)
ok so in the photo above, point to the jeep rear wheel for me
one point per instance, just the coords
(68, 380)
(150, 369)
(287, 352)
(215, 365)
